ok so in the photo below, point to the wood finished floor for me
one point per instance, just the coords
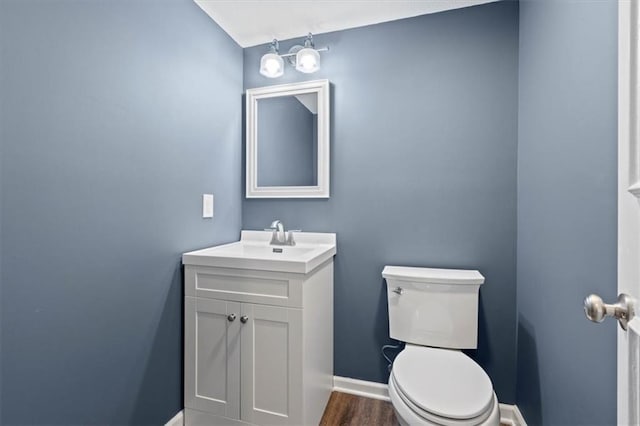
(344, 409)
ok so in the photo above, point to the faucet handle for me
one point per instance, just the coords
(290, 240)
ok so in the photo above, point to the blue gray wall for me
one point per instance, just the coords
(423, 171)
(2, 127)
(566, 210)
(287, 143)
(116, 117)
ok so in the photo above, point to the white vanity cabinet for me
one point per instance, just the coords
(258, 344)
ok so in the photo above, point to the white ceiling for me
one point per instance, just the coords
(252, 22)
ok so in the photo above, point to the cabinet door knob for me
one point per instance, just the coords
(231, 317)
(244, 319)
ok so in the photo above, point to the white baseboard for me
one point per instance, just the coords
(177, 420)
(361, 388)
(509, 414)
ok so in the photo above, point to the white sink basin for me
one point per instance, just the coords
(253, 251)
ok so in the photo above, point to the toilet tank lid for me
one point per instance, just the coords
(433, 275)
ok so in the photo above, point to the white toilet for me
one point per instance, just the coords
(435, 311)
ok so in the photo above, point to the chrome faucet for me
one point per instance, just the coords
(280, 237)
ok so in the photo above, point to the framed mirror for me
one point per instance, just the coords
(288, 140)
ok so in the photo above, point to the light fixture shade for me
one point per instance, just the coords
(271, 65)
(308, 60)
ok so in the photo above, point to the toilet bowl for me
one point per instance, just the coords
(433, 386)
(432, 382)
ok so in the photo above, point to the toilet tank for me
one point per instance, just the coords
(433, 307)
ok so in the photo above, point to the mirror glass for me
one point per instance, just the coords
(288, 140)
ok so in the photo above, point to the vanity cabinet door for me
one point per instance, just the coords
(271, 365)
(212, 356)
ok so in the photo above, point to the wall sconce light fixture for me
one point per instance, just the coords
(271, 64)
(304, 58)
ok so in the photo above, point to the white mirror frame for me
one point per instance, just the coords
(321, 190)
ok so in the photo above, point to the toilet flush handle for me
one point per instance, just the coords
(398, 290)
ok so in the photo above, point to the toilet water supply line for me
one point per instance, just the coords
(385, 347)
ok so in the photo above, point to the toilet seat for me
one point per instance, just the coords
(406, 416)
(442, 386)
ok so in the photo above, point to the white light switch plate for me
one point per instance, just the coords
(207, 206)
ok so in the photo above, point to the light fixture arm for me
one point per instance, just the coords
(321, 49)
(275, 47)
(309, 41)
